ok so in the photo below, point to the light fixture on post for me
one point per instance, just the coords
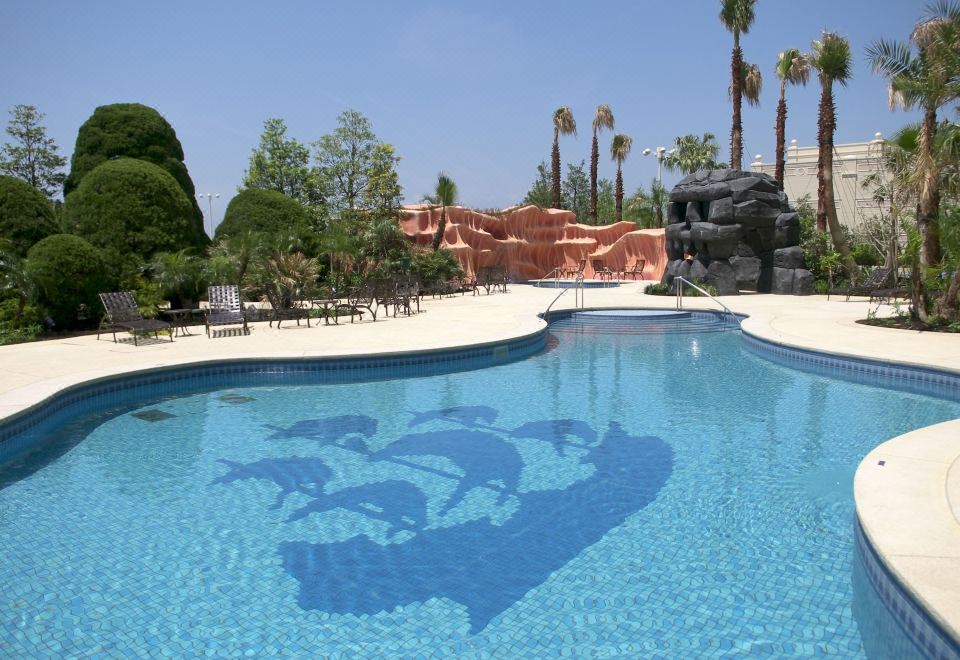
(210, 197)
(661, 153)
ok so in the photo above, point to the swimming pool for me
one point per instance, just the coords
(621, 493)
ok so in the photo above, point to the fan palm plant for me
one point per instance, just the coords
(444, 195)
(691, 153)
(926, 74)
(793, 68)
(563, 124)
(832, 61)
(619, 150)
(601, 120)
(737, 16)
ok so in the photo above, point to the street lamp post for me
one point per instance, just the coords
(661, 153)
(210, 197)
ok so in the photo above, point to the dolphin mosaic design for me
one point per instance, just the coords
(291, 475)
(330, 430)
(466, 415)
(557, 432)
(485, 567)
(484, 457)
(400, 503)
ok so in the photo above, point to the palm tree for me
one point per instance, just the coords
(601, 120)
(649, 207)
(563, 124)
(925, 74)
(619, 150)
(691, 153)
(445, 195)
(737, 16)
(831, 59)
(793, 68)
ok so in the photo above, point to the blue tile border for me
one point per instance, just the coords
(24, 431)
(919, 380)
(914, 621)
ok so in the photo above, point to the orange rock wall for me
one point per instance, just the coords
(531, 242)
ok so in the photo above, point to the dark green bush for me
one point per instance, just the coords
(436, 265)
(265, 212)
(26, 216)
(663, 289)
(68, 272)
(132, 130)
(865, 255)
(131, 207)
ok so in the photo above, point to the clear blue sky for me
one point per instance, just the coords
(465, 88)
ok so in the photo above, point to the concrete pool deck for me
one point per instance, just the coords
(909, 507)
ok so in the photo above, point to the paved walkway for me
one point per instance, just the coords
(910, 509)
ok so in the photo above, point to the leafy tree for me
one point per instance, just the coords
(15, 283)
(601, 120)
(648, 207)
(354, 168)
(831, 59)
(133, 130)
(793, 68)
(342, 245)
(540, 193)
(444, 195)
(180, 276)
(619, 150)
(606, 202)
(737, 16)
(281, 164)
(576, 191)
(32, 157)
(231, 256)
(266, 212)
(691, 153)
(131, 207)
(26, 216)
(925, 73)
(383, 192)
(68, 272)
(563, 124)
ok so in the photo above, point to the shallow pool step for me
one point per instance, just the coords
(642, 322)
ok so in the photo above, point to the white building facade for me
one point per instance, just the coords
(852, 164)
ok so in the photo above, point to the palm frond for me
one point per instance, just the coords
(752, 83)
(890, 58)
(603, 118)
(793, 66)
(563, 121)
(620, 147)
(832, 59)
(737, 15)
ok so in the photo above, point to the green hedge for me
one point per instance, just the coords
(266, 212)
(131, 207)
(68, 271)
(26, 216)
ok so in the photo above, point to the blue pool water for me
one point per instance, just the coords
(640, 488)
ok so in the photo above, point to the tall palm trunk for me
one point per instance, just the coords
(929, 203)
(736, 130)
(441, 229)
(594, 162)
(618, 194)
(826, 201)
(555, 162)
(781, 130)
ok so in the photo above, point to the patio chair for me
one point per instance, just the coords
(361, 298)
(600, 270)
(877, 279)
(226, 308)
(636, 269)
(283, 307)
(121, 312)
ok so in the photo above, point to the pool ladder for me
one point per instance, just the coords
(680, 280)
(577, 295)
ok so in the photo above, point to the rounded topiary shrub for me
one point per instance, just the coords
(26, 215)
(68, 272)
(132, 130)
(130, 206)
(267, 212)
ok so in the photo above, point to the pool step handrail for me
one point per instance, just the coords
(577, 299)
(679, 282)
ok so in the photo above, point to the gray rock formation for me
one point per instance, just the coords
(735, 230)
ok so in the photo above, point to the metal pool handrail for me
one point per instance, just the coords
(579, 291)
(679, 280)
